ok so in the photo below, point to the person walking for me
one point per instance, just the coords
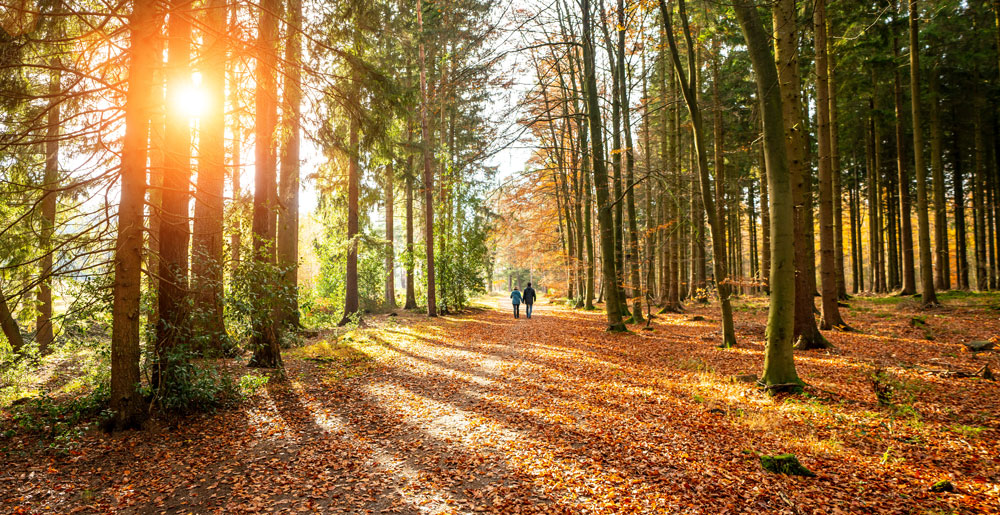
(529, 299)
(515, 297)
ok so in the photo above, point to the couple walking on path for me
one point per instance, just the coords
(528, 298)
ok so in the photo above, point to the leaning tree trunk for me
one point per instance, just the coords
(689, 87)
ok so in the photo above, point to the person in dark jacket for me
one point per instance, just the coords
(529, 299)
(515, 298)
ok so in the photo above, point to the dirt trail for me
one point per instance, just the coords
(486, 413)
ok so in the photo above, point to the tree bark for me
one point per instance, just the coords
(425, 143)
(689, 87)
(43, 323)
(206, 267)
(807, 334)
(942, 275)
(265, 340)
(906, 225)
(923, 224)
(779, 362)
(828, 268)
(288, 181)
(390, 251)
(175, 229)
(126, 402)
(612, 305)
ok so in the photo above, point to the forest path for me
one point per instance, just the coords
(481, 412)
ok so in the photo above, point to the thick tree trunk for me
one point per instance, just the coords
(126, 402)
(288, 181)
(208, 246)
(807, 334)
(633, 228)
(779, 362)
(266, 339)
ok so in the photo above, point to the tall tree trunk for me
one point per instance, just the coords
(765, 223)
(288, 181)
(961, 233)
(923, 224)
(411, 297)
(779, 362)
(208, 246)
(425, 144)
(807, 334)
(874, 207)
(612, 306)
(633, 228)
(906, 225)
(835, 170)
(43, 324)
(689, 87)
(175, 229)
(978, 202)
(828, 267)
(352, 306)
(126, 401)
(618, 212)
(266, 339)
(390, 251)
(236, 239)
(942, 275)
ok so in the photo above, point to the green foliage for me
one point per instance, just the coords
(253, 292)
(60, 420)
(186, 386)
(251, 384)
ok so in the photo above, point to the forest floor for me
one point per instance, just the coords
(481, 412)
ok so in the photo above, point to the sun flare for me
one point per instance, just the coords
(192, 100)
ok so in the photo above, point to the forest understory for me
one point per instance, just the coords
(481, 412)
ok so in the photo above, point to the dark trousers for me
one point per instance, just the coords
(527, 309)
(517, 311)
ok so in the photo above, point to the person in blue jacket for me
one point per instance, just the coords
(529, 298)
(515, 297)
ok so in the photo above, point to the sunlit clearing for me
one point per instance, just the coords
(191, 100)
